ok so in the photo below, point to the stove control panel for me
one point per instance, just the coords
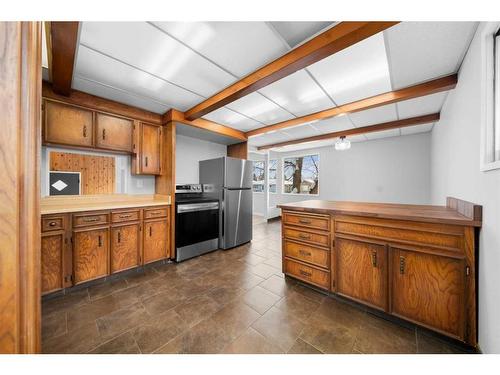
(189, 188)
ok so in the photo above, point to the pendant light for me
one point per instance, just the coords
(342, 144)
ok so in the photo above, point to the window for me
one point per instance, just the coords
(496, 94)
(258, 176)
(273, 175)
(301, 175)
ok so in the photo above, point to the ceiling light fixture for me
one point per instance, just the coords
(342, 144)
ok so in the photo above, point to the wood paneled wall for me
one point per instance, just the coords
(98, 173)
(238, 150)
(20, 103)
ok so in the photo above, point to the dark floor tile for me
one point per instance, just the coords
(298, 305)
(225, 294)
(65, 302)
(123, 344)
(260, 299)
(309, 292)
(278, 285)
(263, 270)
(279, 327)
(81, 340)
(164, 301)
(141, 276)
(252, 342)
(302, 347)
(328, 336)
(106, 288)
(117, 322)
(427, 344)
(158, 331)
(196, 309)
(54, 325)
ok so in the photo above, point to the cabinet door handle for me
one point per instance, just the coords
(150, 231)
(374, 258)
(125, 216)
(119, 237)
(305, 253)
(146, 160)
(84, 131)
(304, 221)
(91, 219)
(103, 134)
(52, 224)
(304, 236)
(305, 273)
(402, 264)
(100, 241)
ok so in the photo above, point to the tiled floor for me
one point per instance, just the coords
(234, 301)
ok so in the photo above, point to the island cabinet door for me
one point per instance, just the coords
(429, 289)
(125, 247)
(361, 271)
(90, 253)
(156, 240)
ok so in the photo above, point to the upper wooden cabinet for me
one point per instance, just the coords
(67, 125)
(429, 289)
(149, 150)
(361, 270)
(113, 133)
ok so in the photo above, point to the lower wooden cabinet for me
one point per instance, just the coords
(90, 253)
(429, 289)
(361, 271)
(156, 243)
(125, 247)
(53, 245)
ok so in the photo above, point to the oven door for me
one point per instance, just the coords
(196, 222)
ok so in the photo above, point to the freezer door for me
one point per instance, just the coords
(237, 218)
(238, 173)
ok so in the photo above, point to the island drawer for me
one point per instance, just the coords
(306, 253)
(309, 274)
(321, 222)
(90, 218)
(129, 215)
(152, 213)
(315, 238)
(52, 223)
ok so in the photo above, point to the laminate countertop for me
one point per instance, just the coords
(450, 214)
(66, 204)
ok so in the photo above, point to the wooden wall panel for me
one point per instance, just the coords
(238, 150)
(97, 172)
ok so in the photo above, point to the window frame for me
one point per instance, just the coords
(283, 174)
(272, 181)
(263, 182)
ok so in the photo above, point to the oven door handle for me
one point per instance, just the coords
(192, 207)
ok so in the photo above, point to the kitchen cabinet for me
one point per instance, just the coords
(156, 240)
(125, 247)
(113, 133)
(52, 249)
(429, 289)
(361, 271)
(67, 125)
(147, 160)
(90, 253)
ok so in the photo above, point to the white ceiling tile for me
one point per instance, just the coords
(301, 131)
(419, 51)
(268, 138)
(333, 124)
(424, 105)
(239, 47)
(146, 47)
(117, 95)
(295, 33)
(354, 73)
(306, 146)
(100, 68)
(383, 134)
(374, 116)
(298, 93)
(260, 109)
(235, 120)
(416, 129)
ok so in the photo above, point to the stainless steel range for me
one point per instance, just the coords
(196, 222)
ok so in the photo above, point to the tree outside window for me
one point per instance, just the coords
(258, 176)
(301, 175)
(273, 175)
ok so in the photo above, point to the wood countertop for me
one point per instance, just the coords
(455, 212)
(66, 204)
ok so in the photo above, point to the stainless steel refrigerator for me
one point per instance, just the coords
(230, 180)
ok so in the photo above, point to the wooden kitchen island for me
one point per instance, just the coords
(414, 262)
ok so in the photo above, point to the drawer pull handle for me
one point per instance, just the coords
(305, 253)
(119, 237)
(304, 221)
(84, 131)
(52, 224)
(305, 273)
(304, 236)
(374, 259)
(125, 216)
(154, 213)
(402, 264)
(91, 219)
(100, 240)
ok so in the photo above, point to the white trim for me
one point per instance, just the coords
(283, 173)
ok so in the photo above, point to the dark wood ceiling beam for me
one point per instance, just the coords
(335, 39)
(420, 120)
(412, 92)
(62, 39)
(177, 116)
